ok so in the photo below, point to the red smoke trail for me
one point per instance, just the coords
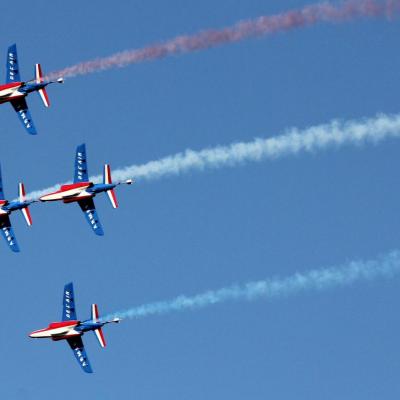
(264, 25)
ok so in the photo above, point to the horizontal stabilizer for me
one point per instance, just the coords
(113, 198)
(108, 180)
(39, 79)
(100, 337)
(98, 332)
(25, 211)
(44, 96)
(27, 215)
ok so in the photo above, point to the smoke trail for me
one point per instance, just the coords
(320, 137)
(312, 281)
(261, 26)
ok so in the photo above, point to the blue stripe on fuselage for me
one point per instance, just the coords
(16, 205)
(101, 187)
(89, 325)
(32, 87)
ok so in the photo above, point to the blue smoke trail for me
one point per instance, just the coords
(387, 266)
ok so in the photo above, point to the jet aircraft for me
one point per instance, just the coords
(82, 190)
(6, 208)
(15, 91)
(72, 330)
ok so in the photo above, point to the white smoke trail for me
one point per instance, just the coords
(294, 141)
(317, 280)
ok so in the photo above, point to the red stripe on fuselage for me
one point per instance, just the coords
(55, 325)
(75, 186)
(62, 324)
(10, 85)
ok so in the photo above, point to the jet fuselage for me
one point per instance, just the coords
(16, 90)
(77, 191)
(66, 329)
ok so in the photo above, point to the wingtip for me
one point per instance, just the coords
(68, 285)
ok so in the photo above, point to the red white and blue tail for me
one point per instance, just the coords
(39, 79)
(98, 332)
(22, 198)
(108, 180)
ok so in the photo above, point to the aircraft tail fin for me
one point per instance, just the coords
(108, 180)
(22, 197)
(100, 337)
(39, 79)
(98, 332)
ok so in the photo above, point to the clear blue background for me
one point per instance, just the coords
(203, 230)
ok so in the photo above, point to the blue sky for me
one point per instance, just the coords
(203, 230)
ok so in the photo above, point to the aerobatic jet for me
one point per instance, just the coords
(72, 330)
(6, 208)
(15, 91)
(82, 190)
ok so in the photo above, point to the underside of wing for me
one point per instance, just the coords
(8, 233)
(88, 208)
(12, 65)
(81, 171)
(77, 347)
(69, 311)
(24, 115)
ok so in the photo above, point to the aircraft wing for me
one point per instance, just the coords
(88, 208)
(81, 172)
(78, 348)
(8, 233)
(69, 311)
(24, 115)
(12, 65)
